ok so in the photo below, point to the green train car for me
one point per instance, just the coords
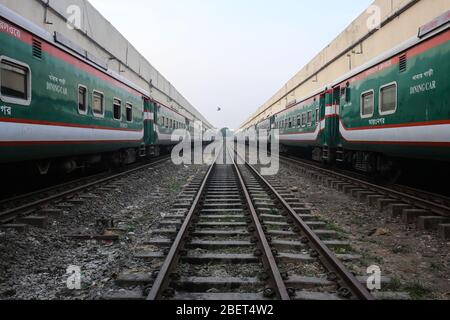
(395, 107)
(61, 107)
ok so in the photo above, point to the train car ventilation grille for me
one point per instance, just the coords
(403, 63)
(37, 49)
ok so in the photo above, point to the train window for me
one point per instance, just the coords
(317, 116)
(290, 122)
(299, 121)
(129, 111)
(98, 103)
(303, 119)
(388, 99)
(82, 100)
(309, 117)
(117, 109)
(15, 80)
(367, 104)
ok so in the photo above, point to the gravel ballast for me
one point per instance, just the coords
(418, 262)
(34, 264)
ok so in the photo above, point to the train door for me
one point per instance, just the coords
(271, 128)
(318, 154)
(334, 115)
(329, 132)
(150, 119)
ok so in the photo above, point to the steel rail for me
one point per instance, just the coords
(162, 280)
(38, 192)
(267, 254)
(436, 208)
(326, 255)
(11, 214)
(428, 194)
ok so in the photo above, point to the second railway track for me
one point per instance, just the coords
(23, 206)
(429, 211)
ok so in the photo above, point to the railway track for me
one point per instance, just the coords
(430, 196)
(240, 238)
(430, 211)
(23, 206)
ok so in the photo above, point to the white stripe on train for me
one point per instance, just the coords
(425, 133)
(420, 134)
(24, 132)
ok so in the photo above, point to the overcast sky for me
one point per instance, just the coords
(233, 54)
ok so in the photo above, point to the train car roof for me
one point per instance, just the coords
(47, 36)
(29, 26)
(427, 31)
(397, 49)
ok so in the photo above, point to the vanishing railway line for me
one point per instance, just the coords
(22, 206)
(240, 238)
